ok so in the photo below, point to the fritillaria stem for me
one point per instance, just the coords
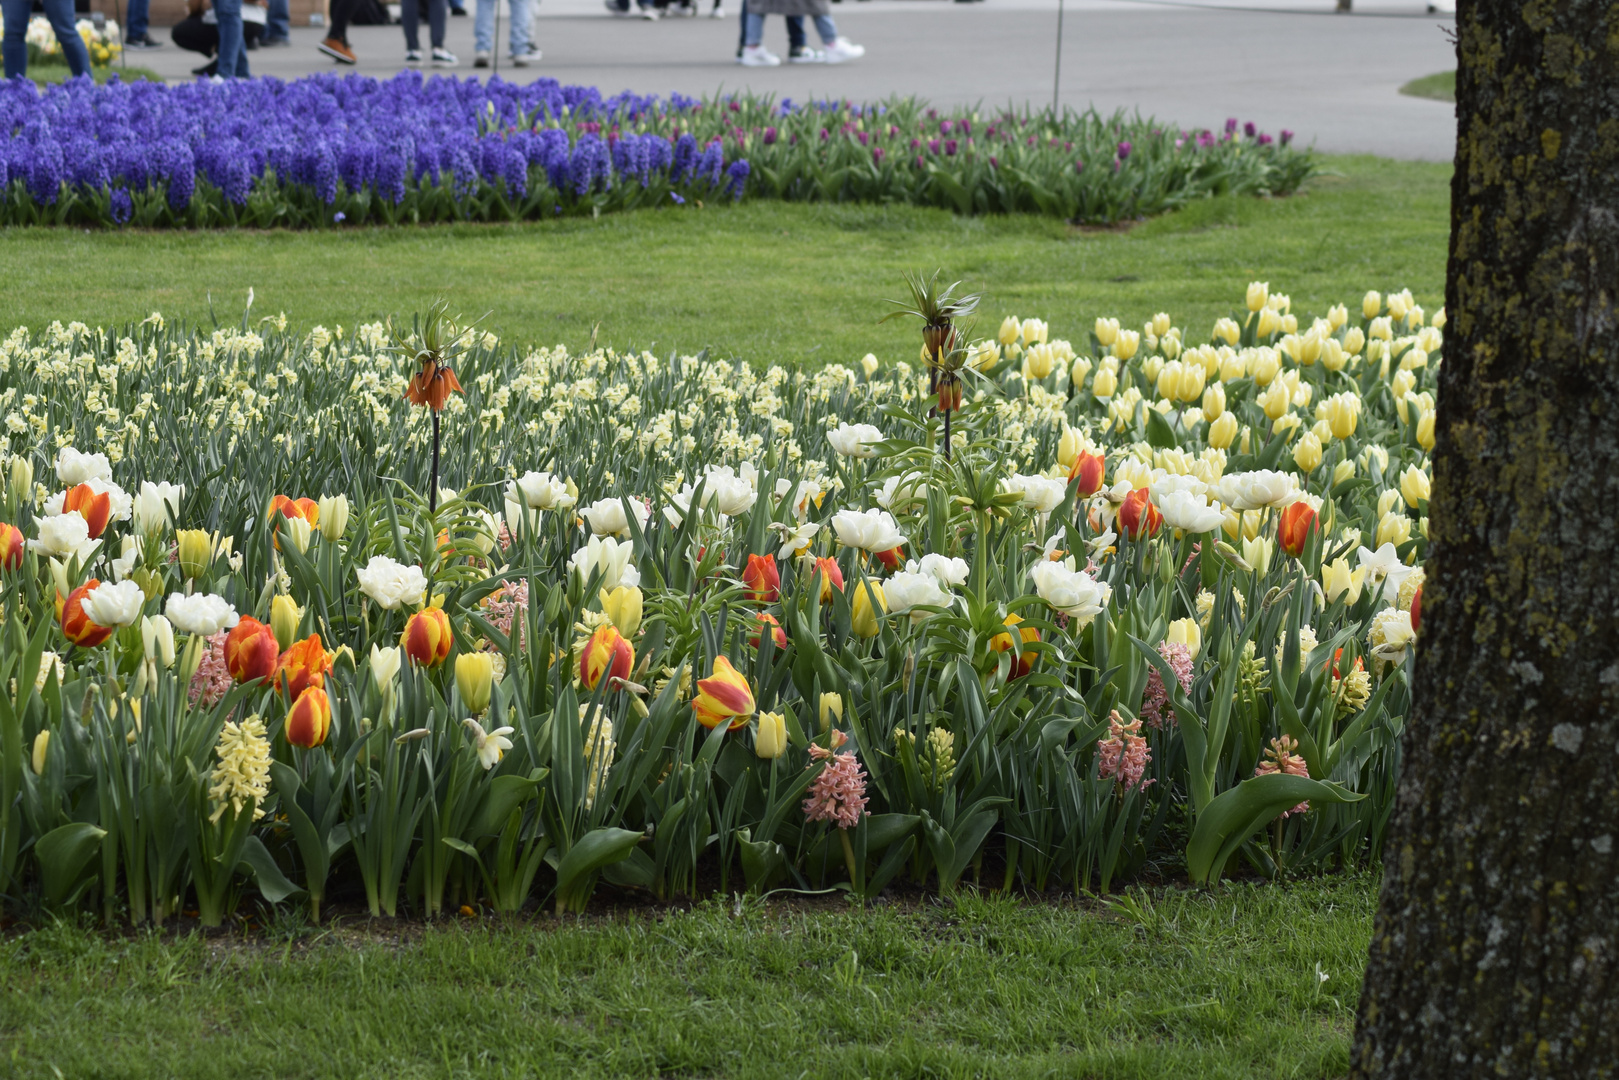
(432, 484)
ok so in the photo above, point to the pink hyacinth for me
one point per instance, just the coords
(212, 680)
(837, 795)
(1156, 695)
(1124, 755)
(504, 605)
(1281, 758)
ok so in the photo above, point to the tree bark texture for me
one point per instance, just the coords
(1495, 951)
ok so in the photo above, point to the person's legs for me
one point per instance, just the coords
(753, 29)
(742, 29)
(277, 27)
(232, 47)
(342, 10)
(483, 27)
(135, 30)
(15, 48)
(795, 33)
(438, 15)
(62, 18)
(826, 28)
(410, 18)
(522, 22)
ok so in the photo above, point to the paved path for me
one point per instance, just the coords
(1333, 79)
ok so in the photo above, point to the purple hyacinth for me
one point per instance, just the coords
(738, 173)
(121, 206)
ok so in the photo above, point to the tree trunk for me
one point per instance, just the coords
(1496, 946)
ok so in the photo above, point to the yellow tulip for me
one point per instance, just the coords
(1415, 486)
(285, 615)
(475, 679)
(1038, 362)
(1185, 632)
(770, 741)
(1223, 431)
(1342, 471)
(1337, 578)
(1068, 447)
(1168, 379)
(1191, 382)
(1107, 331)
(1425, 438)
(1307, 453)
(1275, 401)
(867, 608)
(1333, 356)
(1160, 323)
(1342, 413)
(1257, 552)
(1354, 340)
(1214, 402)
(1269, 323)
(1263, 365)
(1080, 371)
(1011, 326)
(196, 551)
(1106, 384)
(623, 606)
(1337, 315)
(42, 744)
(1126, 344)
(1258, 295)
(1372, 305)
(829, 710)
(1227, 331)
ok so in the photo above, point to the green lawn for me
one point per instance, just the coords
(1246, 981)
(44, 74)
(1440, 86)
(763, 280)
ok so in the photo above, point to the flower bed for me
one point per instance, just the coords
(327, 150)
(666, 618)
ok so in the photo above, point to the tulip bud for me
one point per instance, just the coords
(624, 606)
(605, 655)
(157, 639)
(723, 696)
(1185, 632)
(1126, 344)
(1415, 487)
(475, 680)
(1011, 327)
(1223, 431)
(1372, 305)
(1307, 453)
(762, 578)
(285, 617)
(1107, 331)
(1106, 384)
(426, 638)
(298, 531)
(1416, 608)
(1425, 425)
(1160, 323)
(868, 364)
(1257, 551)
(1275, 401)
(334, 516)
(22, 476)
(1214, 402)
(1080, 371)
(867, 608)
(1297, 522)
(830, 709)
(12, 546)
(196, 552)
(384, 666)
(309, 720)
(770, 741)
(1258, 295)
(1227, 330)
(1068, 447)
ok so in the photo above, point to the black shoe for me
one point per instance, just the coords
(210, 69)
(143, 42)
(458, 11)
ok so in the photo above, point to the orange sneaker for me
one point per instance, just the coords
(339, 51)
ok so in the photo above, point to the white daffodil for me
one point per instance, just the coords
(1383, 568)
(795, 539)
(491, 745)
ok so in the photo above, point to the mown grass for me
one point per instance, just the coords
(1244, 981)
(1440, 86)
(764, 280)
(45, 74)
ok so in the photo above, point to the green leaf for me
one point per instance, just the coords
(1236, 814)
(506, 793)
(1159, 434)
(272, 883)
(63, 853)
(596, 849)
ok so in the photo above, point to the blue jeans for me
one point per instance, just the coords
(826, 28)
(438, 13)
(60, 13)
(277, 25)
(137, 18)
(795, 30)
(483, 26)
(232, 49)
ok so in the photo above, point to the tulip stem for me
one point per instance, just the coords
(432, 485)
(848, 860)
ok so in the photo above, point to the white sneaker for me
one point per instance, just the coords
(480, 58)
(717, 13)
(524, 59)
(650, 14)
(413, 56)
(618, 12)
(444, 58)
(843, 49)
(758, 56)
(806, 55)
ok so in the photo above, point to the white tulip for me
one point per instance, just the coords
(114, 603)
(203, 614)
(855, 440)
(911, 588)
(157, 640)
(74, 468)
(1072, 592)
(1190, 513)
(1042, 494)
(392, 584)
(63, 535)
(540, 491)
(606, 516)
(156, 504)
(898, 492)
(949, 571)
(612, 557)
(874, 530)
(1257, 490)
(384, 665)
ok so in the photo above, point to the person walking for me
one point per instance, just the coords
(277, 26)
(336, 44)
(199, 32)
(483, 33)
(14, 47)
(232, 57)
(836, 49)
(798, 50)
(136, 35)
(438, 13)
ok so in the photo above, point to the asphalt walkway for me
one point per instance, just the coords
(1332, 79)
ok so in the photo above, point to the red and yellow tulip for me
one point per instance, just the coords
(830, 577)
(76, 625)
(11, 547)
(724, 695)
(95, 509)
(250, 650)
(763, 624)
(1138, 516)
(1023, 662)
(310, 718)
(1090, 470)
(762, 578)
(427, 637)
(605, 655)
(1293, 530)
(303, 665)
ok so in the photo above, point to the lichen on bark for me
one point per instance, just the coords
(1496, 946)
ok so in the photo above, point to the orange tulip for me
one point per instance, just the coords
(831, 578)
(1089, 470)
(283, 506)
(76, 625)
(310, 718)
(1416, 610)
(724, 695)
(762, 578)
(251, 650)
(1297, 522)
(606, 655)
(1138, 517)
(893, 558)
(303, 665)
(1023, 662)
(11, 547)
(95, 509)
(308, 509)
(762, 621)
(427, 637)
(432, 385)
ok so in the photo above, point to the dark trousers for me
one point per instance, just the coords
(342, 11)
(410, 15)
(194, 35)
